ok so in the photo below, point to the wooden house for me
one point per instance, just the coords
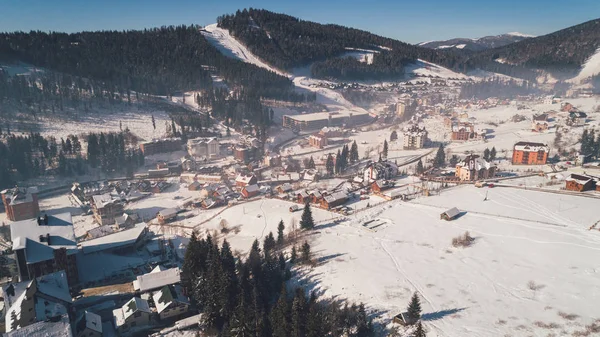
(166, 215)
(195, 186)
(250, 191)
(333, 200)
(580, 183)
(381, 185)
(450, 214)
(302, 197)
(404, 319)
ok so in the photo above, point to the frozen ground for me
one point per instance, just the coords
(533, 262)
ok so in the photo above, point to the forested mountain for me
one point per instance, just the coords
(478, 44)
(157, 61)
(287, 42)
(561, 53)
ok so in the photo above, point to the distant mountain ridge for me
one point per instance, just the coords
(479, 44)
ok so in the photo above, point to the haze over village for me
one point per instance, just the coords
(271, 176)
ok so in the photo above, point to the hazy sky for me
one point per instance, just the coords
(411, 21)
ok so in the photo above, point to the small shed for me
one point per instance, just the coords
(167, 215)
(450, 214)
(404, 319)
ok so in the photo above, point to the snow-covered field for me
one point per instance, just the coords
(590, 68)
(533, 262)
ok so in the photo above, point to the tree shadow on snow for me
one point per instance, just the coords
(434, 316)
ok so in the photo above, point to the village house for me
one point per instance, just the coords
(414, 138)
(245, 179)
(317, 140)
(21, 203)
(57, 326)
(106, 208)
(474, 168)
(88, 325)
(567, 107)
(203, 147)
(160, 146)
(156, 279)
(539, 123)
(529, 153)
(135, 314)
(465, 131)
(244, 153)
(41, 244)
(334, 199)
(400, 109)
(450, 214)
(316, 196)
(284, 188)
(166, 215)
(250, 191)
(380, 170)
(195, 186)
(302, 197)
(38, 300)
(576, 118)
(272, 160)
(580, 183)
(170, 301)
(381, 185)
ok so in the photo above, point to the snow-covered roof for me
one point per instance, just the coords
(336, 196)
(531, 147)
(135, 304)
(326, 115)
(168, 213)
(251, 188)
(33, 235)
(452, 212)
(244, 178)
(580, 179)
(167, 295)
(19, 195)
(158, 279)
(102, 200)
(54, 328)
(112, 241)
(89, 320)
(474, 162)
(24, 305)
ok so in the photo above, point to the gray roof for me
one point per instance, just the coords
(26, 234)
(56, 328)
(452, 212)
(157, 279)
(111, 241)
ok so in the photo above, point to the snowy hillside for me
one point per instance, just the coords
(428, 69)
(589, 69)
(477, 44)
(231, 47)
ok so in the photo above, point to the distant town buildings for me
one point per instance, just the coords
(414, 137)
(160, 146)
(319, 120)
(203, 147)
(473, 167)
(529, 153)
(332, 132)
(464, 131)
(576, 118)
(539, 123)
(317, 140)
(21, 203)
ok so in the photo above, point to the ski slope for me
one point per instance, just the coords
(231, 47)
(428, 69)
(590, 68)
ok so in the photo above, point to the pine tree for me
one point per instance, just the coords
(453, 160)
(420, 168)
(298, 315)
(354, 152)
(311, 163)
(385, 149)
(393, 136)
(305, 252)
(338, 162)
(269, 244)
(329, 165)
(228, 132)
(280, 315)
(306, 221)
(280, 235)
(420, 332)
(486, 154)
(293, 255)
(414, 308)
(153, 123)
(493, 153)
(440, 157)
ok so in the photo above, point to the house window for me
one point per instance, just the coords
(540, 155)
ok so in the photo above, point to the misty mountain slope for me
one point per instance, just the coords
(479, 44)
(563, 53)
